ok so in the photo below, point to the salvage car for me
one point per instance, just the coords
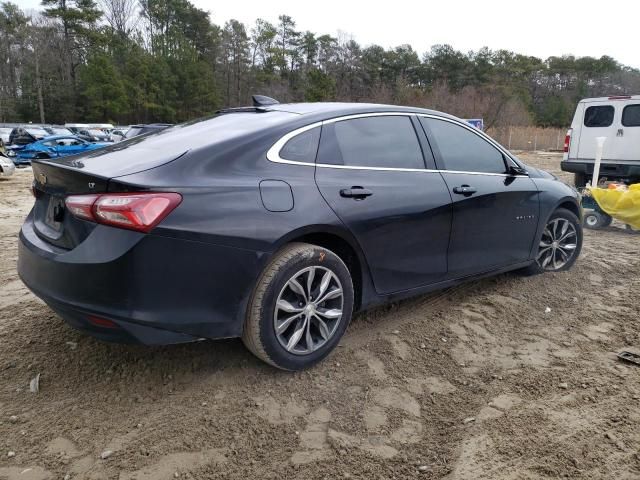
(7, 167)
(274, 223)
(53, 146)
(27, 134)
(94, 135)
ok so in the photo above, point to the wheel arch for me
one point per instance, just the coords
(548, 208)
(345, 246)
(571, 205)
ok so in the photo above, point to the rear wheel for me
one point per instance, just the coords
(300, 309)
(579, 180)
(596, 220)
(560, 244)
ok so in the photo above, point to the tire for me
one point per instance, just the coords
(631, 230)
(579, 180)
(42, 156)
(596, 220)
(545, 246)
(299, 261)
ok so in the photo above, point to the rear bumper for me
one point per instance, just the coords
(617, 170)
(156, 289)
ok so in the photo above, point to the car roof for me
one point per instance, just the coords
(333, 109)
(613, 98)
(29, 125)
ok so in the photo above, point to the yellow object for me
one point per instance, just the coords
(623, 205)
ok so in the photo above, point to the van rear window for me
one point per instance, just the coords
(631, 116)
(599, 116)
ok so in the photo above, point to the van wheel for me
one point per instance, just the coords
(580, 180)
(300, 308)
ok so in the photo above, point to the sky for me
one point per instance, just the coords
(541, 28)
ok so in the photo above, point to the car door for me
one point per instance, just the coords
(371, 171)
(49, 147)
(495, 213)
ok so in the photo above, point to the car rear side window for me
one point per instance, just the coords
(463, 150)
(303, 147)
(381, 142)
(599, 116)
(631, 116)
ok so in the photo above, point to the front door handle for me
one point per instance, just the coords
(620, 133)
(465, 190)
(358, 193)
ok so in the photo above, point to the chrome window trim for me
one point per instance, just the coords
(273, 154)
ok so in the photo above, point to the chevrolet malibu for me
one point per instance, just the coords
(274, 223)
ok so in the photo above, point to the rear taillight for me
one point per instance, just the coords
(567, 142)
(81, 206)
(134, 211)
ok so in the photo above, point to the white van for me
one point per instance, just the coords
(616, 118)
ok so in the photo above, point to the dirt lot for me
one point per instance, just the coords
(479, 381)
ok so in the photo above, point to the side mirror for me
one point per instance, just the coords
(516, 170)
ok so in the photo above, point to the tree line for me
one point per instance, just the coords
(130, 61)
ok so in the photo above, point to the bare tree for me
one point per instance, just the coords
(121, 15)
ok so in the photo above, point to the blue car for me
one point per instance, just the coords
(51, 147)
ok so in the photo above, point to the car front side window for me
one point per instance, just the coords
(463, 150)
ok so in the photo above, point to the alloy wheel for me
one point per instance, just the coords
(308, 310)
(557, 245)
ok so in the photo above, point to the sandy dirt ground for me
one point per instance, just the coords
(506, 378)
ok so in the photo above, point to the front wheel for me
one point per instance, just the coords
(300, 308)
(560, 244)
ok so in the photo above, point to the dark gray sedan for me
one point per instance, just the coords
(276, 222)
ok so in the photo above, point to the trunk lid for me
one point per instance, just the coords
(88, 173)
(52, 184)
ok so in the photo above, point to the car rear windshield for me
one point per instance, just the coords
(599, 116)
(631, 116)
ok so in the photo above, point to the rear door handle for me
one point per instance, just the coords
(465, 190)
(358, 193)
